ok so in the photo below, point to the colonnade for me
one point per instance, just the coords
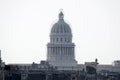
(63, 52)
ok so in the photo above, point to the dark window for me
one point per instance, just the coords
(61, 39)
(65, 39)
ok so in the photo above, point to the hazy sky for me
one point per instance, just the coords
(25, 27)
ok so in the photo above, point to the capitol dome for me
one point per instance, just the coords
(61, 26)
(61, 48)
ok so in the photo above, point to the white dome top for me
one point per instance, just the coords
(61, 26)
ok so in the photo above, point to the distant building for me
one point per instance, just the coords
(60, 63)
(61, 49)
(2, 65)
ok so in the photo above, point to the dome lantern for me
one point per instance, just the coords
(61, 15)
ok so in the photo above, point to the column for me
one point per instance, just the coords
(66, 52)
(48, 53)
(73, 52)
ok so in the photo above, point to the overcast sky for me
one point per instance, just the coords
(25, 28)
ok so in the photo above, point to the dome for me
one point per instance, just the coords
(61, 26)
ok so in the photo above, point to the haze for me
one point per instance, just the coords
(25, 27)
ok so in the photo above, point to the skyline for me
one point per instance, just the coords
(25, 28)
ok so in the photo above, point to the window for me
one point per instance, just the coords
(61, 39)
(65, 39)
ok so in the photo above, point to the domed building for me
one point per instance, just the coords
(60, 48)
(61, 63)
